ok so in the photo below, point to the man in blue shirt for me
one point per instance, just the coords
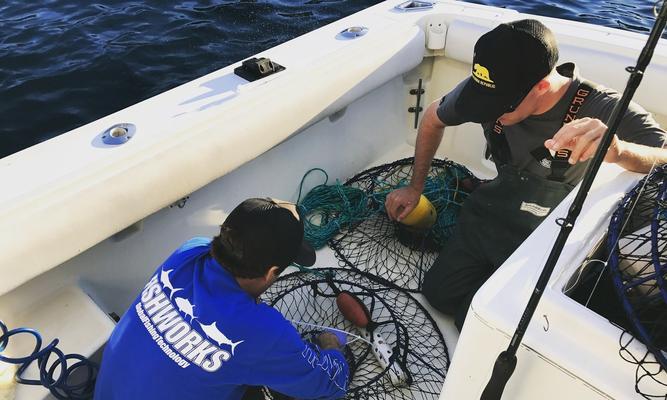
(198, 331)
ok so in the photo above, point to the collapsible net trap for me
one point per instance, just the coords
(638, 264)
(362, 236)
(417, 346)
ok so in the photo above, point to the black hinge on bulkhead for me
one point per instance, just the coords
(417, 108)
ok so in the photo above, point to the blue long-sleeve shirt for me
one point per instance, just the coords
(193, 333)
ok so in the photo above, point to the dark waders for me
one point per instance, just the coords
(496, 218)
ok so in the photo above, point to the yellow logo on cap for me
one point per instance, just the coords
(481, 75)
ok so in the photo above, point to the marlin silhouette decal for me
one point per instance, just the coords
(214, 333)
(164, 279)
(186, 307)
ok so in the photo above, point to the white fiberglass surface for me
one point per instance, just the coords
(113, 271)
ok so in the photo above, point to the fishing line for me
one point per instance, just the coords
(415, 342)
(329, 328)
(611, 250)
(355, 311)
(580, 272)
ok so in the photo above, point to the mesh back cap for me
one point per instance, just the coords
(266, 234)
(508, 61)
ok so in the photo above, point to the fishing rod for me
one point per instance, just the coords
(506, 360)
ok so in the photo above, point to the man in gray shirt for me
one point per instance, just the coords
(542, 124)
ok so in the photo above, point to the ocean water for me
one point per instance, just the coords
(64, 63)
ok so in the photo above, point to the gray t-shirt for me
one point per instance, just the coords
(637, 126)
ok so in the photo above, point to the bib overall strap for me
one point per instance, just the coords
(559, 161)
(499, 149)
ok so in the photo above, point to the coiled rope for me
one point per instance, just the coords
(58, 384)
(328, 209)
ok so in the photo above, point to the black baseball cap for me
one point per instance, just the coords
(508, 61)
(266, 232)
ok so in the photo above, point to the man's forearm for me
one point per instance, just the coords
(429, 136)
(640, 158)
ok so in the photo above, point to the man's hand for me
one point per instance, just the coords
(328, 340)
(401, 202)
(583, 137)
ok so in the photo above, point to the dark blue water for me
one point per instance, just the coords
(64, 63)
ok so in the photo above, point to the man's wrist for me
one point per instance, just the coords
(418, 187)
(621, 151)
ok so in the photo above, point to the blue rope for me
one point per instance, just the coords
(59, 387)
(326, 209)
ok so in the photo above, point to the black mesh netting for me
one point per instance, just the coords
(638, 240)
(389, 249)
(650, 377)
(307, 299)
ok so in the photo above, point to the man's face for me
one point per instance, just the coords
(525, 109)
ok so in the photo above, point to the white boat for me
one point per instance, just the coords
(84, 223)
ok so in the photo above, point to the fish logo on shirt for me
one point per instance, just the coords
(214, 333)
(164, 279)
(186, 307)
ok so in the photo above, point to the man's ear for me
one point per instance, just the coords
(543, 86)
(272, 274)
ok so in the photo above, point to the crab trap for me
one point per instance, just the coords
(401, 354)
(352, 219)
(638, 265)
